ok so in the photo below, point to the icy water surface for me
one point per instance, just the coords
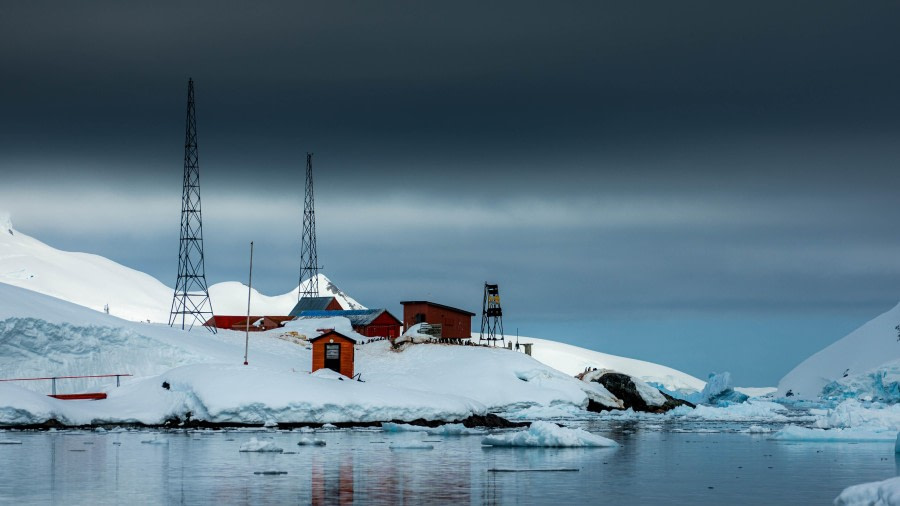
(656, 463)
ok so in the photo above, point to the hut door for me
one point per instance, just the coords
(333, 357)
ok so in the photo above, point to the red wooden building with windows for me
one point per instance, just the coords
(333, 350)
(455, 323)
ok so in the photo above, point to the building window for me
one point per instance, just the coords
(420, 317)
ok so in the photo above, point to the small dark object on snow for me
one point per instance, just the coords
(166, 385)
(790, 393)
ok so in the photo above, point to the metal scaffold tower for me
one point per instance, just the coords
(491, 316)
(191, 303)
(309, 259)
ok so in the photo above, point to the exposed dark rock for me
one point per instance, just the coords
(622, 386)
(491, 421)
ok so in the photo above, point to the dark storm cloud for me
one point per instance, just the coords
(646, 159)
(401, 86)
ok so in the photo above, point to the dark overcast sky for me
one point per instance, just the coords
(707, 185)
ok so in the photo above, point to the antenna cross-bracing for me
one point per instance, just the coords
(191, 303)
(309, 259)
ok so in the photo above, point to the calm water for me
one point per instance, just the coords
(656, 463)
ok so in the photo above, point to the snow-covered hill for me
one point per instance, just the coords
(230, 298)
(866, 359)
(88, 280)
(573, 360)
(93, 281)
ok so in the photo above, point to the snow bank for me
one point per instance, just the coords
(515, 379)
(546, 434)
(864, 350)
(255, 445)
(878, 493)
(573, 360)
(412, 335)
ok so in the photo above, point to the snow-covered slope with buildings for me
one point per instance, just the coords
(865, 363)
(52, 324)
(95, 282)
(41, 336)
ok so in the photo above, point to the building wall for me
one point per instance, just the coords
(347, 354)
(383, 326)
(454, 325)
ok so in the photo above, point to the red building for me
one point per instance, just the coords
(368, 322)
(257, 323)
(455, 323)
(333, 350)
(316, 304)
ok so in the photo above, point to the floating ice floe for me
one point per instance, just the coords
(875, 493)
(848, 435)
(255, 445)
(410, 446)
(156, 440)
(449, 429)
(546, 434)
(10, 442)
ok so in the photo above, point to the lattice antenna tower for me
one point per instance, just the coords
(309, 258)
(491, 316)
(191, 303)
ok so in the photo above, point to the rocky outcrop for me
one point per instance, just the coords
(632, 392)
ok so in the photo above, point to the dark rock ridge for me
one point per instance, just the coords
(622, 386)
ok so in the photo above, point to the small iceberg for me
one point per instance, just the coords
(10, 442)
(549, 435)
(255, 445)
(305, 441)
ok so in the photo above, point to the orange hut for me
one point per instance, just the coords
(333, 350)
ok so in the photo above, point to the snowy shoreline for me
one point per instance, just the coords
(489, 421)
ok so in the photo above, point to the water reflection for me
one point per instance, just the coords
(358, 467)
